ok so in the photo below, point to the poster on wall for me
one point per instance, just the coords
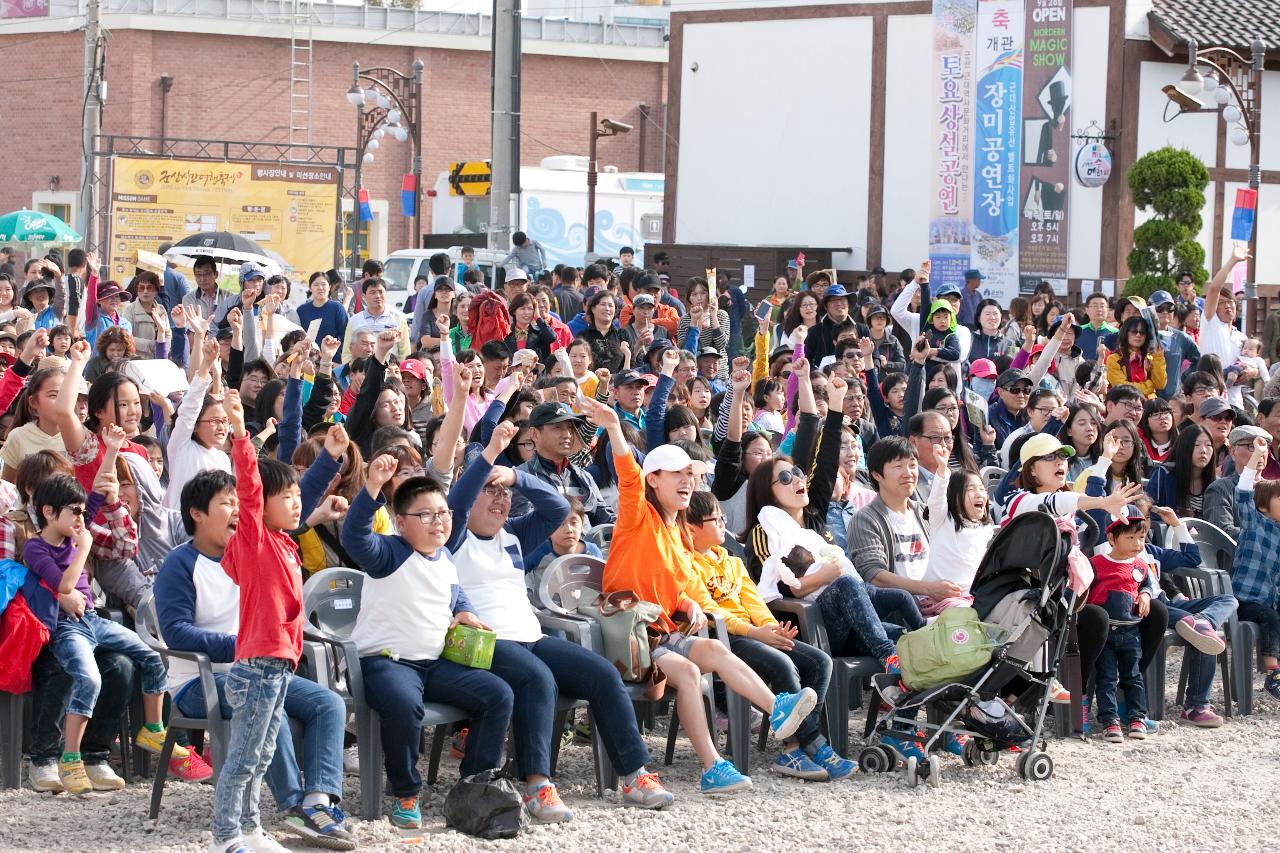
(1046, 149)
(288, 208)
(997, 142)
(951, 202)
(24, 8)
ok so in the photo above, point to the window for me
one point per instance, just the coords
(355, 235)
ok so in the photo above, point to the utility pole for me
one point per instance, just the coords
(94, 63)
(505, 130)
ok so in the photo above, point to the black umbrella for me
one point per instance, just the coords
(223, 246)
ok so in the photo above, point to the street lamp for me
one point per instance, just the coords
(1234, 85)
(391, 101)
(606, 127)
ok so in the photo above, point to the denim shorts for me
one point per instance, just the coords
(676, 643)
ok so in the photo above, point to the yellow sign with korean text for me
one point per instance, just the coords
(288, 208)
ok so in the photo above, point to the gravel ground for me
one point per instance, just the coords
(1183, 789)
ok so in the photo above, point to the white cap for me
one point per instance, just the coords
(516, 274)
(668, 457)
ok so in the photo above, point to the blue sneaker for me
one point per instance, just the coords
(723, 778)
(837, 768)
(905, 748)
(789, 711)
(954, 744)
(1086, 706)
(798, 765)
(407, 814)
(1272, 684)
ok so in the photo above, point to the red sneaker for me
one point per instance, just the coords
(458, 749)
(190, 768)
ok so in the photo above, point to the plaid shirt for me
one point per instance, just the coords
(117, 539)
(8, 539)
(1258, 554)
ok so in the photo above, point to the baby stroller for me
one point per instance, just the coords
(1022, 596)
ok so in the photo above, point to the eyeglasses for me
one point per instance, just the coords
(1160, 414)
(717, 520)
(525, 445)
(1043, 410)
(1131, 405)
(1054, 457)
(1124, 442)
(497, 492)
(939, 439)
(786, 477)
(215, 421)
(947, 410)
(430, 517)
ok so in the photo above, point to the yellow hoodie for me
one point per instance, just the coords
(721, 583)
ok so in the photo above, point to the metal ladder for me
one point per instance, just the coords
(301, 66)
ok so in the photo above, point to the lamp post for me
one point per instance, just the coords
(1234, 85)
(390, 108)
(599, 128)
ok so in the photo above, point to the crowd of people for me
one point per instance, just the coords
(832, 443)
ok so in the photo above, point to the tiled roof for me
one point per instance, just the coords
(1217, 23)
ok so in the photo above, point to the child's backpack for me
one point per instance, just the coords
(957, 644)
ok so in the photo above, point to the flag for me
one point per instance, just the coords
(1243, 216)
(408, 195)
(366, 213)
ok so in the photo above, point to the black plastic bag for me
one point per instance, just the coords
(486, 805)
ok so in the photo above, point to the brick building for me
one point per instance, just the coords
(230, 80)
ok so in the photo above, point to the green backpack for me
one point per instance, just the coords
(956, 644)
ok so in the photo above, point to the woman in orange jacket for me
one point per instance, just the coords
(1138, 360)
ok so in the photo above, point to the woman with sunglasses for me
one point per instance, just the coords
(1138, 360)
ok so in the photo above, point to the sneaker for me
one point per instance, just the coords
(837, 768)
(235, 845)
(905, 748)
(757, 720)
(545, 806)
(1059, 694)
(1152, 726)
(798, 765)
(1204, 717)
(1086, 705)
(1272, 684)
(893, 664)
(1200, 635)
(646, 792)
(723, 778)
(74, 779)
(1138, 729)
(789, 711)
(458, 749)
(192, 768)
(321, 825)
(44, 778)
(351, 761)
(406, 814)
(153, 742)
(1112, 733)
(954, 743)
(102, 777)
(260, 842)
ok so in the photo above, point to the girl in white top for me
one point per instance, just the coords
(200, 431)
(960, 530)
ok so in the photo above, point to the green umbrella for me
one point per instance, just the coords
(32, 226)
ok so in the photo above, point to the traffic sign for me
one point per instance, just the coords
(470, 178)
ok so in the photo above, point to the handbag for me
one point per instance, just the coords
(22, 636)
(624, 622)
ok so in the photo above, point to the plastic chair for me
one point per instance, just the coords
(1218, 552)
(568, 580)
(330, 604)
(219, 730)
(12, 706)
(601, 536)
(991, 476)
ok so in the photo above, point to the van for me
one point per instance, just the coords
(404, 266)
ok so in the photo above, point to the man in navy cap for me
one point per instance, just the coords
(822, 338)
(970, 296)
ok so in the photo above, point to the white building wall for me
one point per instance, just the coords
(907, 152)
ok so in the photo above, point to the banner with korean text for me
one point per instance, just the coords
(951, 200)
(997, 143)
(1046, 134)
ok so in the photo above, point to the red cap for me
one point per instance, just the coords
(415, 368)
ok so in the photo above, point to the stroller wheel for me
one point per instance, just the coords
(934, 771)
(1035, 766)
(877, 759)
(913, 777)
(975, 756)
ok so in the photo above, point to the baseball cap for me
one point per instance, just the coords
(946, 290)
(876, 308)
(1214, 406)
(642, 299)
(835, 291)
(1012, 376)
(545, 414)
(1042, 444)
(968, 274)
(1248, 433)
(626, 377)
(250, 270)
(1160, 297)
(984, 368)
(708, 351)
(1127, 516)
(516, 274)
(415, 368)
(668, 457)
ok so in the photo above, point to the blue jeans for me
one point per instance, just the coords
(897, 608)
(537, 672)
(1201, 667)
(74, 642)
(1268, 621)
(788, 672)
(255, 690)
(322, 715)
(854, 628)
(397, 691)
(51, 689)
(1118, 664)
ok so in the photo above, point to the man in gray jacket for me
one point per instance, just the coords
(1220, 498)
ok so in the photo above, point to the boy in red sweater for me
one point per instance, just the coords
(1123, 587)
(263, 560)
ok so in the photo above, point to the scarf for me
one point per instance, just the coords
(784, 535)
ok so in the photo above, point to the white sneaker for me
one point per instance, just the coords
(260, 842)
(44, 778)
(235, 845)
(103, 778)
(351, 761)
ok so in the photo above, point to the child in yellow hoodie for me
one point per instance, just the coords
(720, 583)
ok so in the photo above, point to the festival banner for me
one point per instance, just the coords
(288, 208)
(951, 202)
(1046, 147)
(997, 142)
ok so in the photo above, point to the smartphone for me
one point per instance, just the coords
(763, 309)
(800, 259)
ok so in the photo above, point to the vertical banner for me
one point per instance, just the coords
(997, 143)
(1046, 147)
(951, 204)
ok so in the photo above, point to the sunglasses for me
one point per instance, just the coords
(786, 477)
(1224, 416)
(1020, 390)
